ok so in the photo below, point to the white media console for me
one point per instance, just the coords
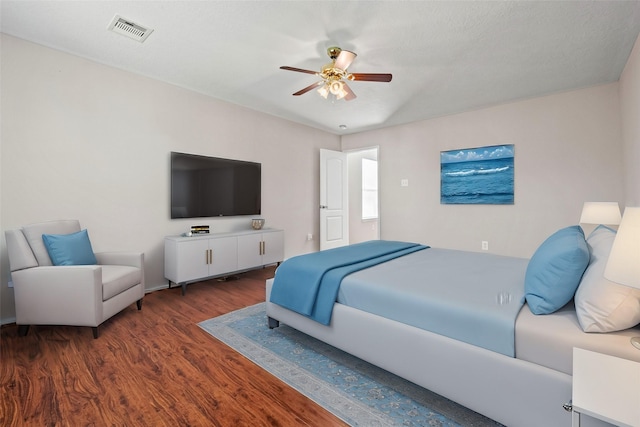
(200, 257)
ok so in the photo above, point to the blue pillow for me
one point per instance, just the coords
(70, 249)
(555, 270)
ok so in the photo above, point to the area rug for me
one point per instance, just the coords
(355, 391)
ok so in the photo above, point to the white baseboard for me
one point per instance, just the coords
(156, 288)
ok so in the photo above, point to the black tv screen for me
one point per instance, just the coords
(203, 186)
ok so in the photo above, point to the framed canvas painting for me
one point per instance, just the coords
(482, 175)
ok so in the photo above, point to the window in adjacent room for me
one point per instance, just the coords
(369, 189)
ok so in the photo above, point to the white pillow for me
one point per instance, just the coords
(602, 305)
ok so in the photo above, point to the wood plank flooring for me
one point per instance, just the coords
(153, 367)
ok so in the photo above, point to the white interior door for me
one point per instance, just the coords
(334, 200)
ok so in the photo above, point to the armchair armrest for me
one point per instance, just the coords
(132, 259)
(59, 295)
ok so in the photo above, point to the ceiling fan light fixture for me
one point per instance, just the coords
(333, 74)
(324, 91)
(336, 88)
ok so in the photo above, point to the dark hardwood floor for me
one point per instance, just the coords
(153, 367)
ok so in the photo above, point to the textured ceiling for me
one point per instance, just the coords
(445, 56)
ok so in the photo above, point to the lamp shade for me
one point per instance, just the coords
(607, 213)
(624, 260)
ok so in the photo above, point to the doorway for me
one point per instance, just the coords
(349, 200)
(364, 200)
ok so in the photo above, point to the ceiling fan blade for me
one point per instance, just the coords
(350, 95)
(344, 59)
(308, 88)
(371, 77)
(299, 70)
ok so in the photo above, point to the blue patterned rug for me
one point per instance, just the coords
(353, 390)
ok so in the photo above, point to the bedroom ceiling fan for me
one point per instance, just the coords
(334, 76)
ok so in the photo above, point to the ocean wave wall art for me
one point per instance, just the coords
(482, 175)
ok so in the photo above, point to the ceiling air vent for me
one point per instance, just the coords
(130, 29)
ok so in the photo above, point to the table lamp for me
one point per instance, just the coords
(623, 265)
(607, 213)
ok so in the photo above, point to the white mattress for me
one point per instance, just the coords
(548, 340)
(469, 296)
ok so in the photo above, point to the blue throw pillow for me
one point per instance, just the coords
(555, 270)
(70, 249)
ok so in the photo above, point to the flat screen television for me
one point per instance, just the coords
(203, 186)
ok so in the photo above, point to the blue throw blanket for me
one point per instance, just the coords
(308, 284)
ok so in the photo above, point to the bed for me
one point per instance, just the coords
(526, 385)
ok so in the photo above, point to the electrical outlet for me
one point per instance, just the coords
(404, 182)
(485, 245)
(309, 237)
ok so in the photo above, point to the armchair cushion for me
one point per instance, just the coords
(20, 253)
(34, 232)
(70, 249)
(118, 278)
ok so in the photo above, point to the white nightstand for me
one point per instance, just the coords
(605, 387)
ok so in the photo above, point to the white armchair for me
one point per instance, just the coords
(76, 295)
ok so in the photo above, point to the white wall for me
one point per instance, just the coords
(568, 149)
(630, 106)
(83, 140)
